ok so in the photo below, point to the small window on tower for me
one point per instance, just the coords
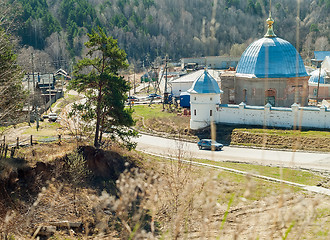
(245, 95)
(211, 113)
(195, 98)
(211, 99)
(195, 112)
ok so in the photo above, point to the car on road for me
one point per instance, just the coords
(52, 117)
(209, 144)
(154, 96)
(132, 99)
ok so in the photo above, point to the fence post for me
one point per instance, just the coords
(4, 140)
(17, 142)
(31, 140)
(12, 152)
(3, 147)
(6, 149)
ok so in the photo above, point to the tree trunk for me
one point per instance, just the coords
(98, 119)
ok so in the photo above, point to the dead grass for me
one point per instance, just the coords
(46, 152)
(287, 174)
(45, 129)
(155, 119)
(196, 203)
(288, 139)
(164, 199)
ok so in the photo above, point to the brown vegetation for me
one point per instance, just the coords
(126, 195)
(282, 142)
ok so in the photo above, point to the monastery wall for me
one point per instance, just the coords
(307, 117)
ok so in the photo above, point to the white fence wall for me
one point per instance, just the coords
(307, 117)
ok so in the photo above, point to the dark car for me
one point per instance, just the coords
(132, 99)
(209, 144)
(154, 96)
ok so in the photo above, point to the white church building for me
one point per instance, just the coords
(206, 108)
(270, 73)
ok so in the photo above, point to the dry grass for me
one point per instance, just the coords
(284, 139)
(46, 152)
(195, 203)
(165, 199)
(154, 119)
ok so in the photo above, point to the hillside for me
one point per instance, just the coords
(152, 28)
(53, 191)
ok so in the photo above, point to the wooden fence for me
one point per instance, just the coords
(6, 148)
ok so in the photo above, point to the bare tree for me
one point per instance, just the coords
(42, 61)
(322, 44)
(56, 49)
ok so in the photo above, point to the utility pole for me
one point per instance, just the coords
(50, 93)
(144, 82)
(318, 85)
(34, 84)
(134, 80)
(165, 100)
(37, 117)
(129, 94)
(33, 96)
(29, 111)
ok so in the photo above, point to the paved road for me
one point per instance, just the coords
(168, 147)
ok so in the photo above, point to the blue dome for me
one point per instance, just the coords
(205, 84)
(315, 76)
(271, 57)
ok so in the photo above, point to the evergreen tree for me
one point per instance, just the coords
(11, 89)
(37, 23)
(97, 76)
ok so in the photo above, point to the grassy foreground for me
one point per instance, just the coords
(287, 174)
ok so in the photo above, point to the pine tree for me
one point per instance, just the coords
(97, 76)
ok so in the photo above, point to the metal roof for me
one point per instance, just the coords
(315, 75)
(320, 55)
(271, 58)
(205, 83)
(326, 63)
(191, 77)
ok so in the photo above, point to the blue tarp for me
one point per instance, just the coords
(185, 100)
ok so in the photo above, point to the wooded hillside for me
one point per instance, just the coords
(148, 29)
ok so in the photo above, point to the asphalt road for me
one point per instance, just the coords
(169, 147)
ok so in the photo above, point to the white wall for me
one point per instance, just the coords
(179, 87)
(274, 117)
(308, 117)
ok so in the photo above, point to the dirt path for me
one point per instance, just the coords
(13, 133)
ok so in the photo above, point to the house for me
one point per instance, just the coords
(213, 62)
(183, 83)
(319, 57)
(319, 82)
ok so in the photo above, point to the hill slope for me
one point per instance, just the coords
(152, 28)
